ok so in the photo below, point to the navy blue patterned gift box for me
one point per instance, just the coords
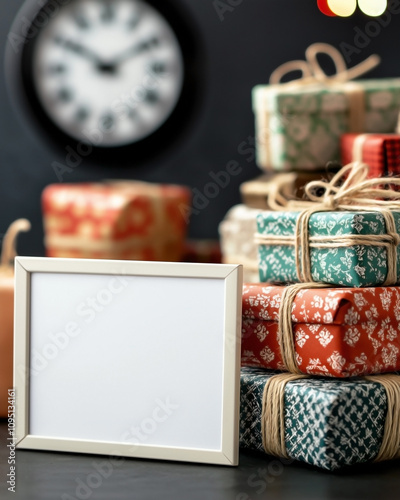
(326, 423)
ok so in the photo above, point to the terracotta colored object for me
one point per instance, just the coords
(7, 311)
(338, 332)
(115, 220)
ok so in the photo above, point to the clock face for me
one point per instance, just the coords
(109, 73)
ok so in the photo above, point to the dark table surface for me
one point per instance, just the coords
(63, 476)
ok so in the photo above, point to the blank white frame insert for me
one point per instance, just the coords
(128, 358)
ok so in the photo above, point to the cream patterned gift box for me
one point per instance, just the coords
(237, 240)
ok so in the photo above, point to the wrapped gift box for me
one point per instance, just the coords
(353, 265)
(380, 151)
(289, 185)
(327, 423)
(337, 332)
(299, 127)
(115, 220)
(237, 240)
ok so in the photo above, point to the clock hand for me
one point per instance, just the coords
(85, 52)
(136, 49)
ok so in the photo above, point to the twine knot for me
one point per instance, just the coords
(395, 238)
(330, 202)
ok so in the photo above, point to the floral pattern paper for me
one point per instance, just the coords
(328, 423)
(338, 332)
(356, 266)
(300, 128)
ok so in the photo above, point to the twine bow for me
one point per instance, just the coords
(312, 71)
(349, 189)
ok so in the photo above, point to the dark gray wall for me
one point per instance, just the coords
(239, 52)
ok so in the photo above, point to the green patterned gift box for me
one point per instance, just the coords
(299, 123)
(357, 265)
(326, 423)
(300, 128)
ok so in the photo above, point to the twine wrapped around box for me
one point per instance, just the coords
(348, 190)
(273, 415)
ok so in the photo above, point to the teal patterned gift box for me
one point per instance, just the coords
(355, 265)
(327, 423)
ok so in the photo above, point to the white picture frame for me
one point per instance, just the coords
(128, 358)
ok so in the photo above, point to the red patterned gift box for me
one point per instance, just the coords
(115, 220)
(380, 151)
(337, 332)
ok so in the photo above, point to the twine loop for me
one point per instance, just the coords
(313, 73)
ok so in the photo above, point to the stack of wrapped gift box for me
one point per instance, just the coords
(321, 324)
(299, 128)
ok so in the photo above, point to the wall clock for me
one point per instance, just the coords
(118, 75)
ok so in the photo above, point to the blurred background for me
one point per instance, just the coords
(232, 46)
